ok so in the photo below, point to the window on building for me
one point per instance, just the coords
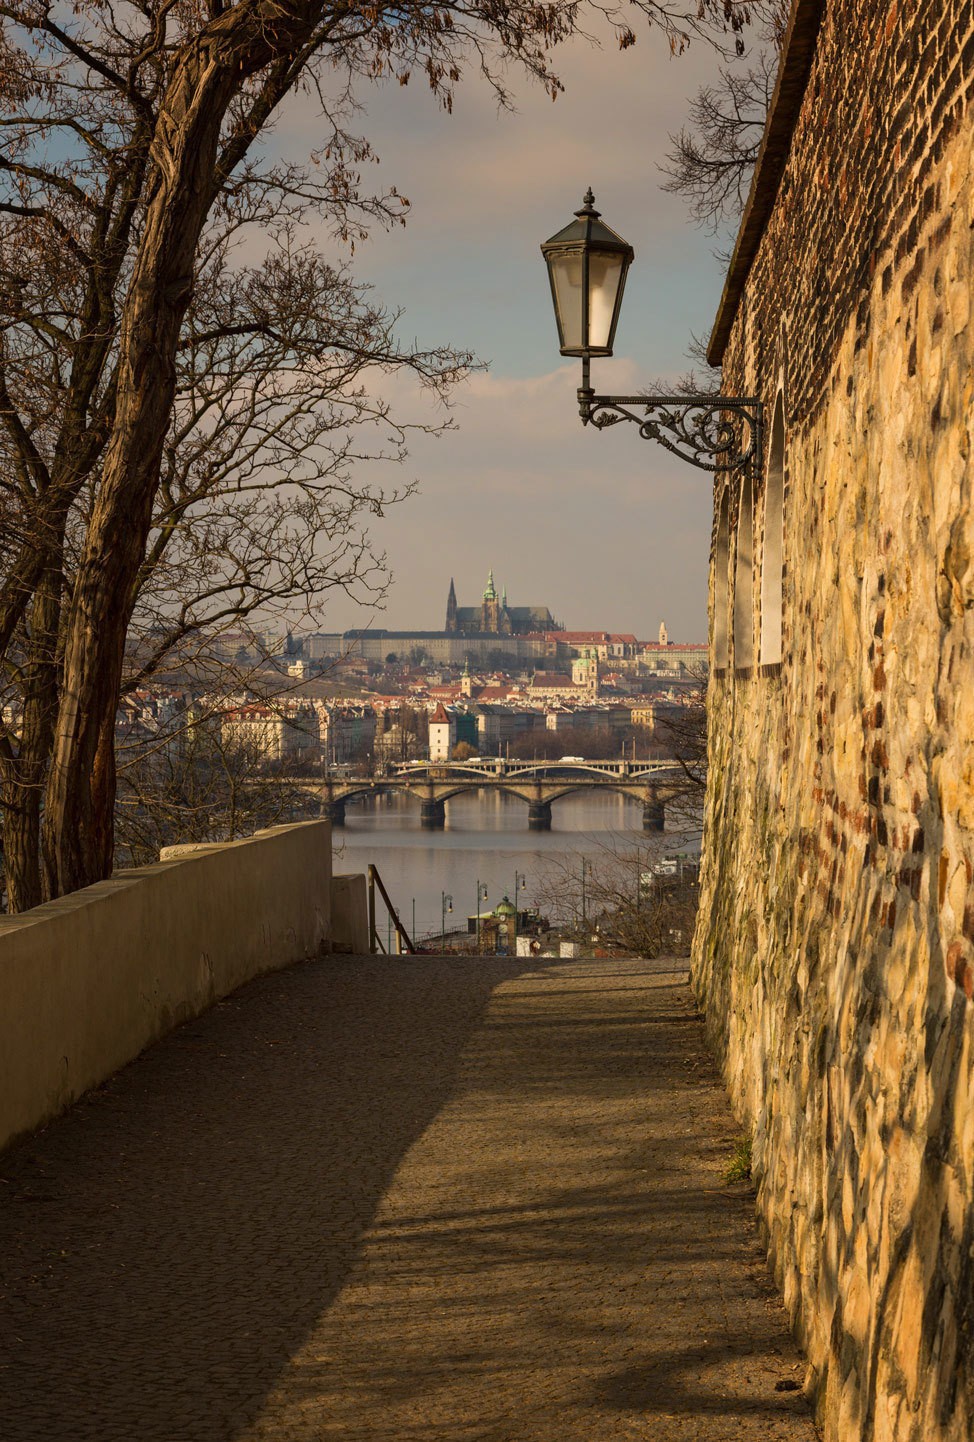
(721, 584)
(744, 580)
(773, 559)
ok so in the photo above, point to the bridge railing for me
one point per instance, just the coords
(500, 766)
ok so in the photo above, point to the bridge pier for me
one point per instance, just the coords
(333, 811)
(654, 816)
(432, 815)
(539, 816)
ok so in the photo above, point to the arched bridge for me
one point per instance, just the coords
(538, 783)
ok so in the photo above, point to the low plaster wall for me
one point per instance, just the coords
(88, 981)
(350, 914)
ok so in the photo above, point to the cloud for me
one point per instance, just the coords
(605, 529)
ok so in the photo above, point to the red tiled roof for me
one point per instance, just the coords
(551, 678)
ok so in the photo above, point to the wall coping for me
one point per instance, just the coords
(789, 92)
(133, 876)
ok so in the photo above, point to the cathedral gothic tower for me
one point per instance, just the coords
(494, 617)
(490, 611)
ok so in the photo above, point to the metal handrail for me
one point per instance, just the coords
(403, 938)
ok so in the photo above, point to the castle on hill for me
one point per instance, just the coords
(494, 617)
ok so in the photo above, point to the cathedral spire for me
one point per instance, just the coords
(490, 593)
(451, 608)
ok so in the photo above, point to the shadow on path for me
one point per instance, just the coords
(559, 1259)
(166, 1246)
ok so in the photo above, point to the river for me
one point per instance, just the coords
(486, 839)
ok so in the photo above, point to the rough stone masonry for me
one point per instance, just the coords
(835, 950)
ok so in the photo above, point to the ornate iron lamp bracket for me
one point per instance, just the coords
(716, 433)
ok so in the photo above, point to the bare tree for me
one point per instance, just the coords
(200, 783)
(711, 159)
(681, 734)
(624, 896)
(129, 162)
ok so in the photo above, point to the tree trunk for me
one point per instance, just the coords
(23, 775)
(78, 822)
(21, 844)
(78, 839)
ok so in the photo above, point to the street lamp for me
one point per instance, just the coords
(586, 867)
(481, 896)
(520, 880)
(587, 267)
(446, 904)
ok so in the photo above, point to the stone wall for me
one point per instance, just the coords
(90, 980)
(835, 949)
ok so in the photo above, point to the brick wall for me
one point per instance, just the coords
(835, 951)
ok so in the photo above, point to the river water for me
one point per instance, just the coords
(486, 839)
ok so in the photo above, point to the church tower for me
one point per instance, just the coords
(451, 609)
(490, 610)
(585, 670)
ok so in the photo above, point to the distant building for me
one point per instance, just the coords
(585, 671)
(494, 617)
(498, 726)
(552, 685)
(666, 658)
(348, 733)
(273, 736)
(443, 733)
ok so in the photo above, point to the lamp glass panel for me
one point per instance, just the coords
(605, 277)
(566, 272)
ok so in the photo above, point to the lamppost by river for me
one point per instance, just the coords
(520, 880)
(587, 267)
(446, 904)
(481, 896)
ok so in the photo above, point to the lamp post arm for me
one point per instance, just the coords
(713, 432)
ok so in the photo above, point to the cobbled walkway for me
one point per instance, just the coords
(385, 1200)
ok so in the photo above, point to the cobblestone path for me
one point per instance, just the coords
(392, 1200)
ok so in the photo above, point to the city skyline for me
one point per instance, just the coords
(467, 592)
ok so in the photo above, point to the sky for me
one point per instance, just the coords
(605, 529)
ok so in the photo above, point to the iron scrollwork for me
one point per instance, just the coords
(716, 433)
